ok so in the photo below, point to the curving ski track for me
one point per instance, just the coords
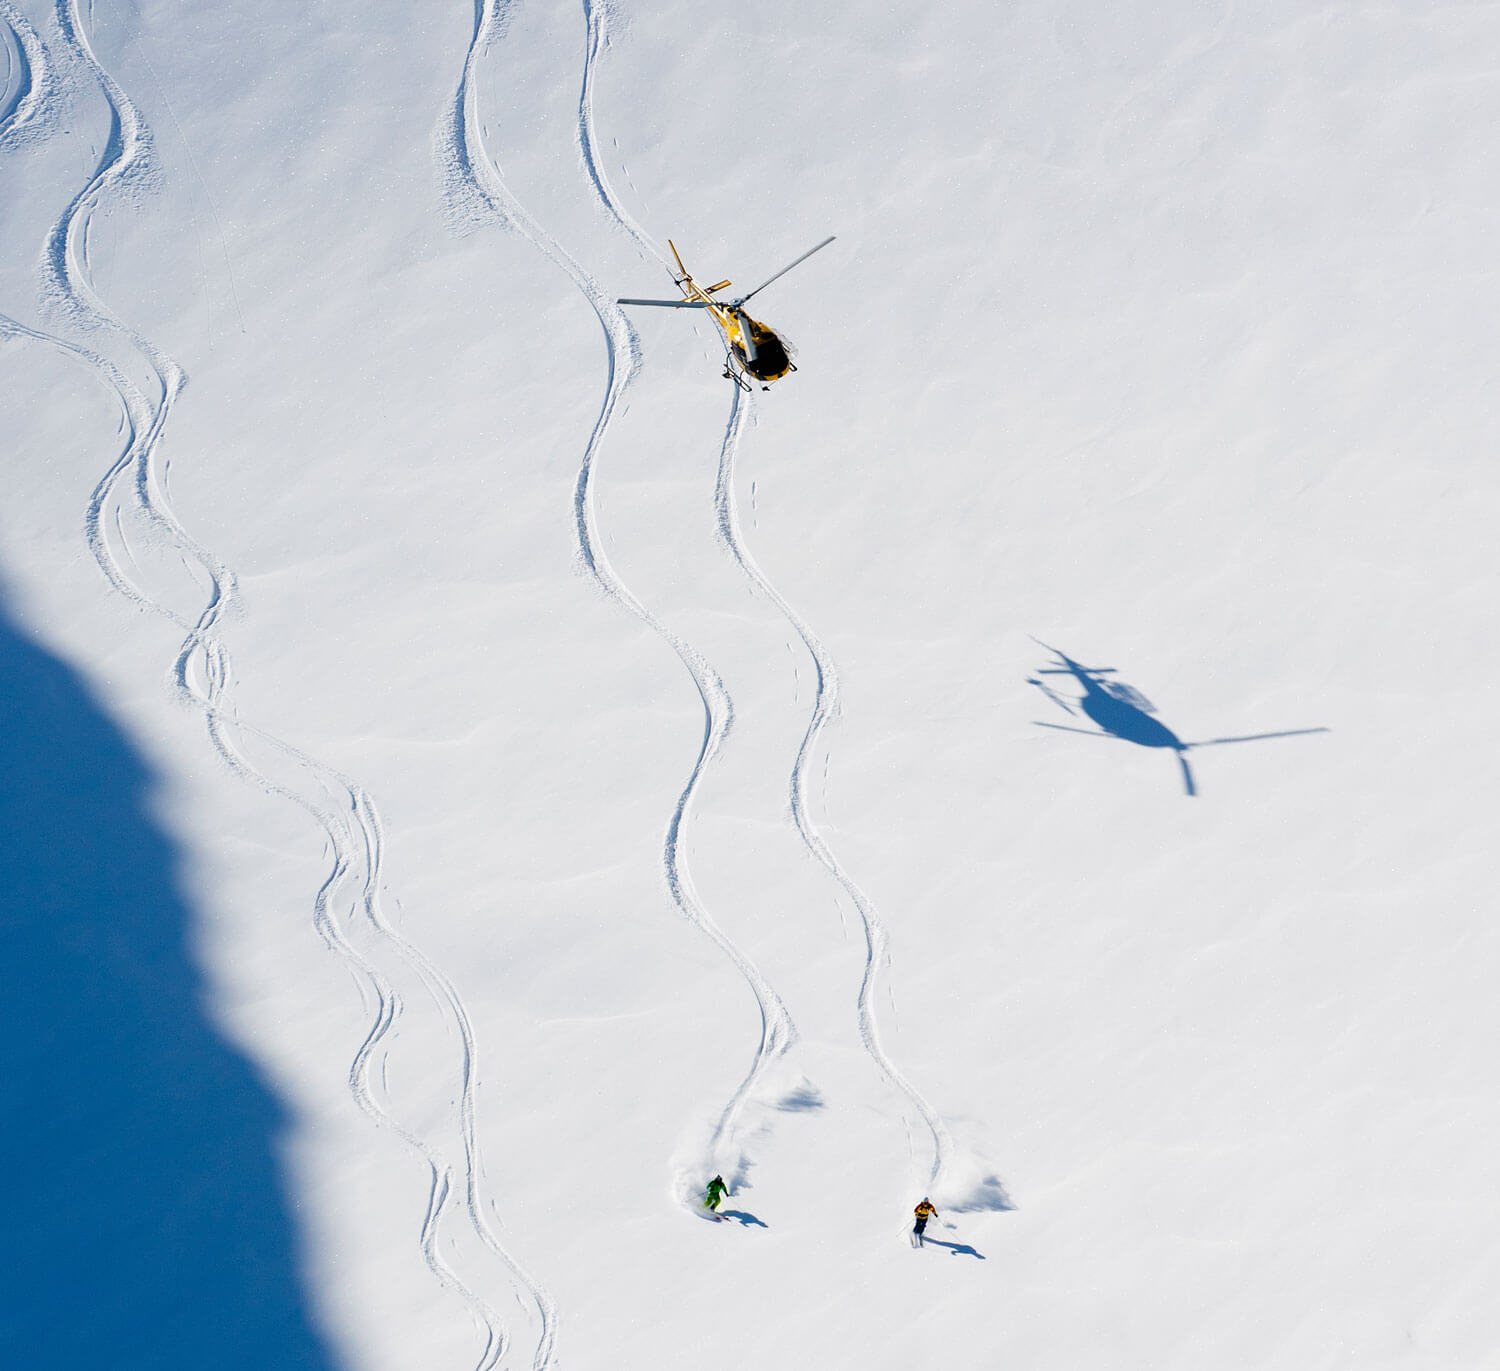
(596, 17)
(29, 85)
(825, 704)
(778, 1033)
(825, 709)
(130, 503)
(477, 192)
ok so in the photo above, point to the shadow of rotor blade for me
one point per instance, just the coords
(1256, 737)
(1187, 773)
(1062, 703)
(1064, 728)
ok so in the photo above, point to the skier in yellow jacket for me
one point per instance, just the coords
(923, 1211)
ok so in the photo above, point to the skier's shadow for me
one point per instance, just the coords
(745, 1220)
(958, 1249)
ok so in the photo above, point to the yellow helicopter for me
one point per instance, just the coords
(753, 351)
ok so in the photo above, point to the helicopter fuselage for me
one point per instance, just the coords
(754, 349)
(760, 350)
(1117, 716)
(1125, 720)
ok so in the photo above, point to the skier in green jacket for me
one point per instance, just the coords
(716, 1192)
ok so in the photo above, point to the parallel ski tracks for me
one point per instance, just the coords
(825, 709)
(825, 703)
(478, 192)
(778, 1032)
(130, 500)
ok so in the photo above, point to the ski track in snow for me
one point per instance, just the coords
(825, 703)
(28, 83)
(596, 16)
(778, 1033)
(477, 193)
(825, 708)
(131, 498)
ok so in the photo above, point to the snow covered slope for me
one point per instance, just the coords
(473, 774)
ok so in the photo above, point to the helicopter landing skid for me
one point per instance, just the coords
(730, 374)
(737, 374)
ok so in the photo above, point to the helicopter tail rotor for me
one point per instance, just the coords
(685, 277)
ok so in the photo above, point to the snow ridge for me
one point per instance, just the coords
(131, 497)
(29, 83)
(474, 184)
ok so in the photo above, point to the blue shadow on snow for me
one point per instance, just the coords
(1122, 712)
(956, 1249)
(745, 1220)
(145, 1224)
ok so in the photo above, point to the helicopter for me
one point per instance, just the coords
(1121, 711)
(753, 351)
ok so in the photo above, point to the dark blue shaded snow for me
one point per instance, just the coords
(145, 1223)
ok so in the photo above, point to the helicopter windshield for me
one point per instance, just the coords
(771, 359)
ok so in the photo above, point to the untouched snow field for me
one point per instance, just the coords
(470, 774)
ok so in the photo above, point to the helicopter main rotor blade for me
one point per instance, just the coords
(666, 304)
(1087, 732)
(1052, 695)
(785, 269)
(1256, 737)
(1066, 670)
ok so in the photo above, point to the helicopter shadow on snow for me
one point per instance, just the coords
(148, 1224)
(1122, 712)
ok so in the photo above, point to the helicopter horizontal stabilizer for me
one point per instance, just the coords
(666, 304)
